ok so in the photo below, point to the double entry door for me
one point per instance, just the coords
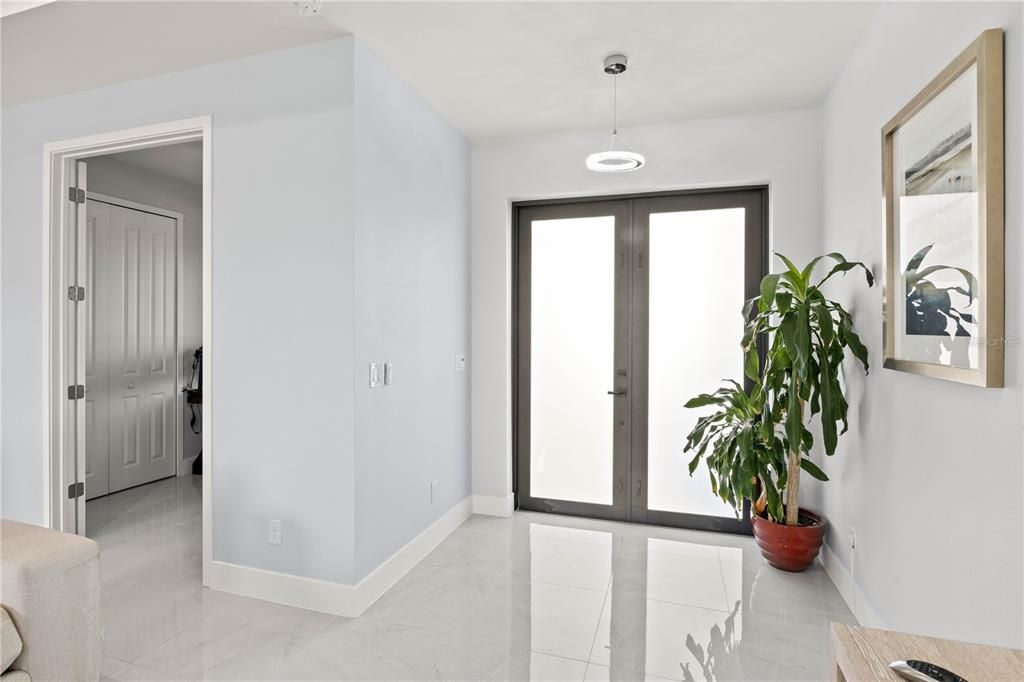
(130, 337)
(625, 309)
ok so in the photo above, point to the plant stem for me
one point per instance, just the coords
(793, 489)
(793, 477)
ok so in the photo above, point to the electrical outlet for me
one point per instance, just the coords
(435, 491)
(274, 531)
(460, 363)
(388, 375)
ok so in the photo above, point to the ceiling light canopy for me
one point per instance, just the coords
(618, 156)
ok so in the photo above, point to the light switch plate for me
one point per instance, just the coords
(375, 375)
(387, 374)
(460, 363)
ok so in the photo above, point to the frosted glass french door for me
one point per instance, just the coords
(624, 310)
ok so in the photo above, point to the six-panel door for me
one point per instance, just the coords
(130, 347)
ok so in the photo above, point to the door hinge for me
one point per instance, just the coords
(76, 293)
(76, 490)
(76, 392)
(76, 196)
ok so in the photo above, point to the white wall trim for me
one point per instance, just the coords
(854, 597)
(492, 505)
(330, 597)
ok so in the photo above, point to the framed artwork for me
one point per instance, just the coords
(942, 176)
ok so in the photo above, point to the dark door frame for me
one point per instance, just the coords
(633, 208)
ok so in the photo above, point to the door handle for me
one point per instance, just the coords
(621, 391)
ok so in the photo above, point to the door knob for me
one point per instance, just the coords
(131, 386)
(621, 391)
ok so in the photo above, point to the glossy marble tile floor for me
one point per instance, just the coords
(534, 596)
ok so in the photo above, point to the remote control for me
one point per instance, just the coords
(922, 671)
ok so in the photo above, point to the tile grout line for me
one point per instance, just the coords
(593, 642)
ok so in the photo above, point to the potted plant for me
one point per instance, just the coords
(755, 443)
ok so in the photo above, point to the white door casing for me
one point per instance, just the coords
(60, 463)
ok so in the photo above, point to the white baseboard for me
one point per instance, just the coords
(854, 597)
(291, 590)
(492, 505)
(331, 597)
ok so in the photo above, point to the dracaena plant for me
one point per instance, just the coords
(755, 443)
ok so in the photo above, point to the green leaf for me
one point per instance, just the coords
(783, 301)
(752, 364)
(829, 414)
(823, 316)
(694, 463)
(812, 468)
(795, 340)
(844, 266)
(793, 269)
(768, 288)
(703, 400)
(773, 498)
(851, 339)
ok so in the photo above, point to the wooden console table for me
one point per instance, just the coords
(862, 654)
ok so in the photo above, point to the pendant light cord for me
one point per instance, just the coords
(615, 104)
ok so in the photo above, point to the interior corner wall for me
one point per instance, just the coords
(411, 309)
(929, 475)
(118, 179)
(282, 294)
(782, 150)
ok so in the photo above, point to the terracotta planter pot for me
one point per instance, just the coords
(790, 548)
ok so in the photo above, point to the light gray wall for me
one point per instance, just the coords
(115, 178)
(782, 150)
(930, 473)
(412, 309)
(282, 219)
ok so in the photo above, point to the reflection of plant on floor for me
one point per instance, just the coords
(719, 663)
(930, 307)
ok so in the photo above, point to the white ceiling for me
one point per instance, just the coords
(182, 161)
(494, 69)
(68, 46)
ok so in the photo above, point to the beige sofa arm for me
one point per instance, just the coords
(50, 585)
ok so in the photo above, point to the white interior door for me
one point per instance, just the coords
(142, 381)
(130, 342)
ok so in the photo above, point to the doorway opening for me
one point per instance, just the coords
(623, 309)
(128, 289)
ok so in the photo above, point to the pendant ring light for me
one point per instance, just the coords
(616, 157)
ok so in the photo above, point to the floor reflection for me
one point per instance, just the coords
(534, 596)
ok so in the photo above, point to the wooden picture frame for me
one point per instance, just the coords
(942, 182)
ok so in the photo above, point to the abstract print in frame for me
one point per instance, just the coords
(942, 168)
